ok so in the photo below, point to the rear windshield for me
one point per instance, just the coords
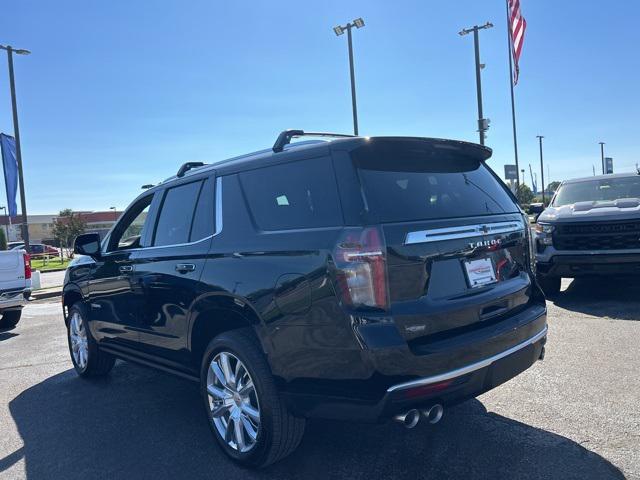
(598, 190)
(420, 182)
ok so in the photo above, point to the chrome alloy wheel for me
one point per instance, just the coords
(79, 343)
(233, 402)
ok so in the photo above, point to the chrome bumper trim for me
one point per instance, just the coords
(469, 368)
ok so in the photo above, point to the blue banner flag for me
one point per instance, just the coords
(10, 164)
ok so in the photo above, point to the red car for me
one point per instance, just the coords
(38, 249)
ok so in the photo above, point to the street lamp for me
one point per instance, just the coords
(115, 213)
(540, 137)
(16, 131)
(483, 123)
(602, 155)
(339, 30)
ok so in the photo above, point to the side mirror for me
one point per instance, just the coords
(87, 244)
(536, 208)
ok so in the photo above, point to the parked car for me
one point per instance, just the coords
(37, 250)
(360, 279)
(15, 286)
(591, 227)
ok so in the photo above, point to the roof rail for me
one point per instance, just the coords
(285, 137)
(188, 166)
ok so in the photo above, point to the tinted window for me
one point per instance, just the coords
(203, 218)
(294, 195)
(176, 214)
(416, 182)
(608, 189)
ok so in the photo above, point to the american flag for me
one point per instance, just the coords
(517, 27)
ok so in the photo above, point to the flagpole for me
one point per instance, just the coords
(513, 102)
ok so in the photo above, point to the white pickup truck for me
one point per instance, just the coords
(15, 286)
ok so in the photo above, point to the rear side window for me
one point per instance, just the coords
(203, 218)
(300, 194)
(176, 214)
(405, 182)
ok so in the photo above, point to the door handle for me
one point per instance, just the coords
(125, 268)
(185, 267)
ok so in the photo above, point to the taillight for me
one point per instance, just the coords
(27, 266)
(361, 268)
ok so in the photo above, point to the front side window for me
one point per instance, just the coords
(300, 194)
(176, 214)
(128, 231)
(601, 190)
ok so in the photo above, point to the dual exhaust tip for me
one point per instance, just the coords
(411, 418)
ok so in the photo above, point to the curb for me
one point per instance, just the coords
(39, 295)
(42, 272)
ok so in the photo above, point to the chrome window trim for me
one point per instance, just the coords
(469, 368)
(464, 231)
(217, 226)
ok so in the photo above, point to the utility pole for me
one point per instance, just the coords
(16, 134)
(339, 30)
(483, 123)
(540, 137)
(602, 155)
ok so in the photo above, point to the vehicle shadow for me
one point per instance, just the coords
(6, 334)
(142, 424)
(617, 298)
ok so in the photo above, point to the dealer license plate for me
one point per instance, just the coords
(480, 272)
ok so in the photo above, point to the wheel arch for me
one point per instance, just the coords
(70, 295)
(217, 313)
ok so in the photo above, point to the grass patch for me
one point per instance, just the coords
(49, 264)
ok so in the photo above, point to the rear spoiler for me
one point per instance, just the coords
(382, 153)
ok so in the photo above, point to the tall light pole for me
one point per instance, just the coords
(602, 155)
(339, 30)
(540, 137)
(16, 133)
(483, 123)
(115, 213)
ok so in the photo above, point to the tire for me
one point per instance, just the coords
(550, 285)
(88, 361)
(10, 319)
(277, 432)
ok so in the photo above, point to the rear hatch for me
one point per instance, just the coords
(456, 248)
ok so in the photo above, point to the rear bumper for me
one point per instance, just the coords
(463, 379)
(12, 299)
(580, 265)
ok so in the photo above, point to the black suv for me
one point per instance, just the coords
(354, 278)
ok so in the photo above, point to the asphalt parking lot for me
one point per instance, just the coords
(574, 415)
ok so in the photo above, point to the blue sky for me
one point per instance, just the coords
(117, 94)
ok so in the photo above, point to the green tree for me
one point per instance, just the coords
(67, 227)
(525, 195)
(553, 186)
(3, 239)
